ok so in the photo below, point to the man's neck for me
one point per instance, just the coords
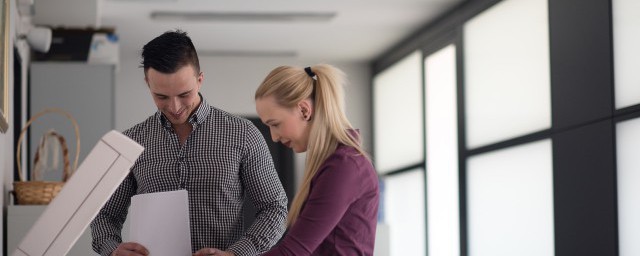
(183, 131)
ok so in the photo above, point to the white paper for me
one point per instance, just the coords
(160, 222)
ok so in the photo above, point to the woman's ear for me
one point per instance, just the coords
(306, 109)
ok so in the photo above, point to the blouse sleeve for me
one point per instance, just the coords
(333, 190)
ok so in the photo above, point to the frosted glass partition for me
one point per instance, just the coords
(404, 212)
(626, 52)
(506, 63)
(443, 216)
(510, 201)
(627, 141)
(398, 115)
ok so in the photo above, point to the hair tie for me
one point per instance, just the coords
(310, 73)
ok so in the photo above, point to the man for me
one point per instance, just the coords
(215, 156)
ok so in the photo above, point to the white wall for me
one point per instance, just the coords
(230, 83)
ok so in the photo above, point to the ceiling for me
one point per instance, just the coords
(356, 30)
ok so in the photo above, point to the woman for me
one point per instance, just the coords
(335, 209)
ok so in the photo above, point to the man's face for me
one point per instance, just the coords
(176, 94)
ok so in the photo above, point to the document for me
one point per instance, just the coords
(160, 222)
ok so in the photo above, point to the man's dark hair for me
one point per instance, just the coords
(169, 52)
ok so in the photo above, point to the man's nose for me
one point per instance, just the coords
(174, 105)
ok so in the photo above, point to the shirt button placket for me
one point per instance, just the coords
(182, 169)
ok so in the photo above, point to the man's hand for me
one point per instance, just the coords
(130, 249)
(212, 251)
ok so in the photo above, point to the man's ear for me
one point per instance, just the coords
(200, 79)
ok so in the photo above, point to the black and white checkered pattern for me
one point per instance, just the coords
(223, 160)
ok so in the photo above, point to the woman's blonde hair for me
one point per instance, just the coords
(329, 124)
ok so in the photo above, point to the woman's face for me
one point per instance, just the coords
(289, 126)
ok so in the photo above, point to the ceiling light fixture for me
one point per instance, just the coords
(244, 16)
(240, 53)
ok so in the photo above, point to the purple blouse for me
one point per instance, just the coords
(340, 214)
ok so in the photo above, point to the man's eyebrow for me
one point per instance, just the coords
(185, 93)
(181, 94)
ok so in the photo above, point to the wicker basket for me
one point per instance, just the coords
(42, 192)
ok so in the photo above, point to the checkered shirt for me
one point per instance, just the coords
(224, 159)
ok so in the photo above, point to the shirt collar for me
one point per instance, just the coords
(197, 118)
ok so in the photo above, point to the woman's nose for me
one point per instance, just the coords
(274, 136)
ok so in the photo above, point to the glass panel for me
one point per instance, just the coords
(626, 51)
(510, 201)
(507, 88)
(443, 216)
(404, 212)
(627, 141)
(398, 115)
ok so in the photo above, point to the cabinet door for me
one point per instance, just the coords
(86, 91)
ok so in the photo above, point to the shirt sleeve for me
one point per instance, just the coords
(333, 191)
(263, 187)
(106, 227)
